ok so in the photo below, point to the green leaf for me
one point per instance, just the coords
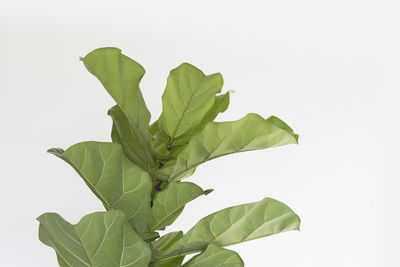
(215, 256)
(221, 138)
(235, 225)
(187, 98)
(169, 203)
(160, 141)
(123, 133)
(220, 105)
(163, 244)
(166, 241)
(99, 239)
(116, 181)
(121, 76)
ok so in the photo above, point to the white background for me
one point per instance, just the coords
(330, 69)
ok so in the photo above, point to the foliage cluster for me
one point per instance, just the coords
(138, 176)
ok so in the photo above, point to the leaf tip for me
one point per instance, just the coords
(299, 223)
(208, 191)
(296, 138)
(56, 151)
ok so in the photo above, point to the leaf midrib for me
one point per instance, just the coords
(183, 115)
(84, 249)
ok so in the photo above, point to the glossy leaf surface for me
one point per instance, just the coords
(99, 239)
(116, 181)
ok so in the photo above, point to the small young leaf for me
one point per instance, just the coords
(187, 98)
(215, 256)
(116, 181)
(99, 239)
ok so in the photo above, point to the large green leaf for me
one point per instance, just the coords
(221, 138)
(187, 98)
(169, 203)
(99, 239)
(121, 76)
(116, 181)
(235, 225)
(215, 256)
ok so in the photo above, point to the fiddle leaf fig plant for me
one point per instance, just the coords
(138, 176)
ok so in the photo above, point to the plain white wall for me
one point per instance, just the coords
(330, 69)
